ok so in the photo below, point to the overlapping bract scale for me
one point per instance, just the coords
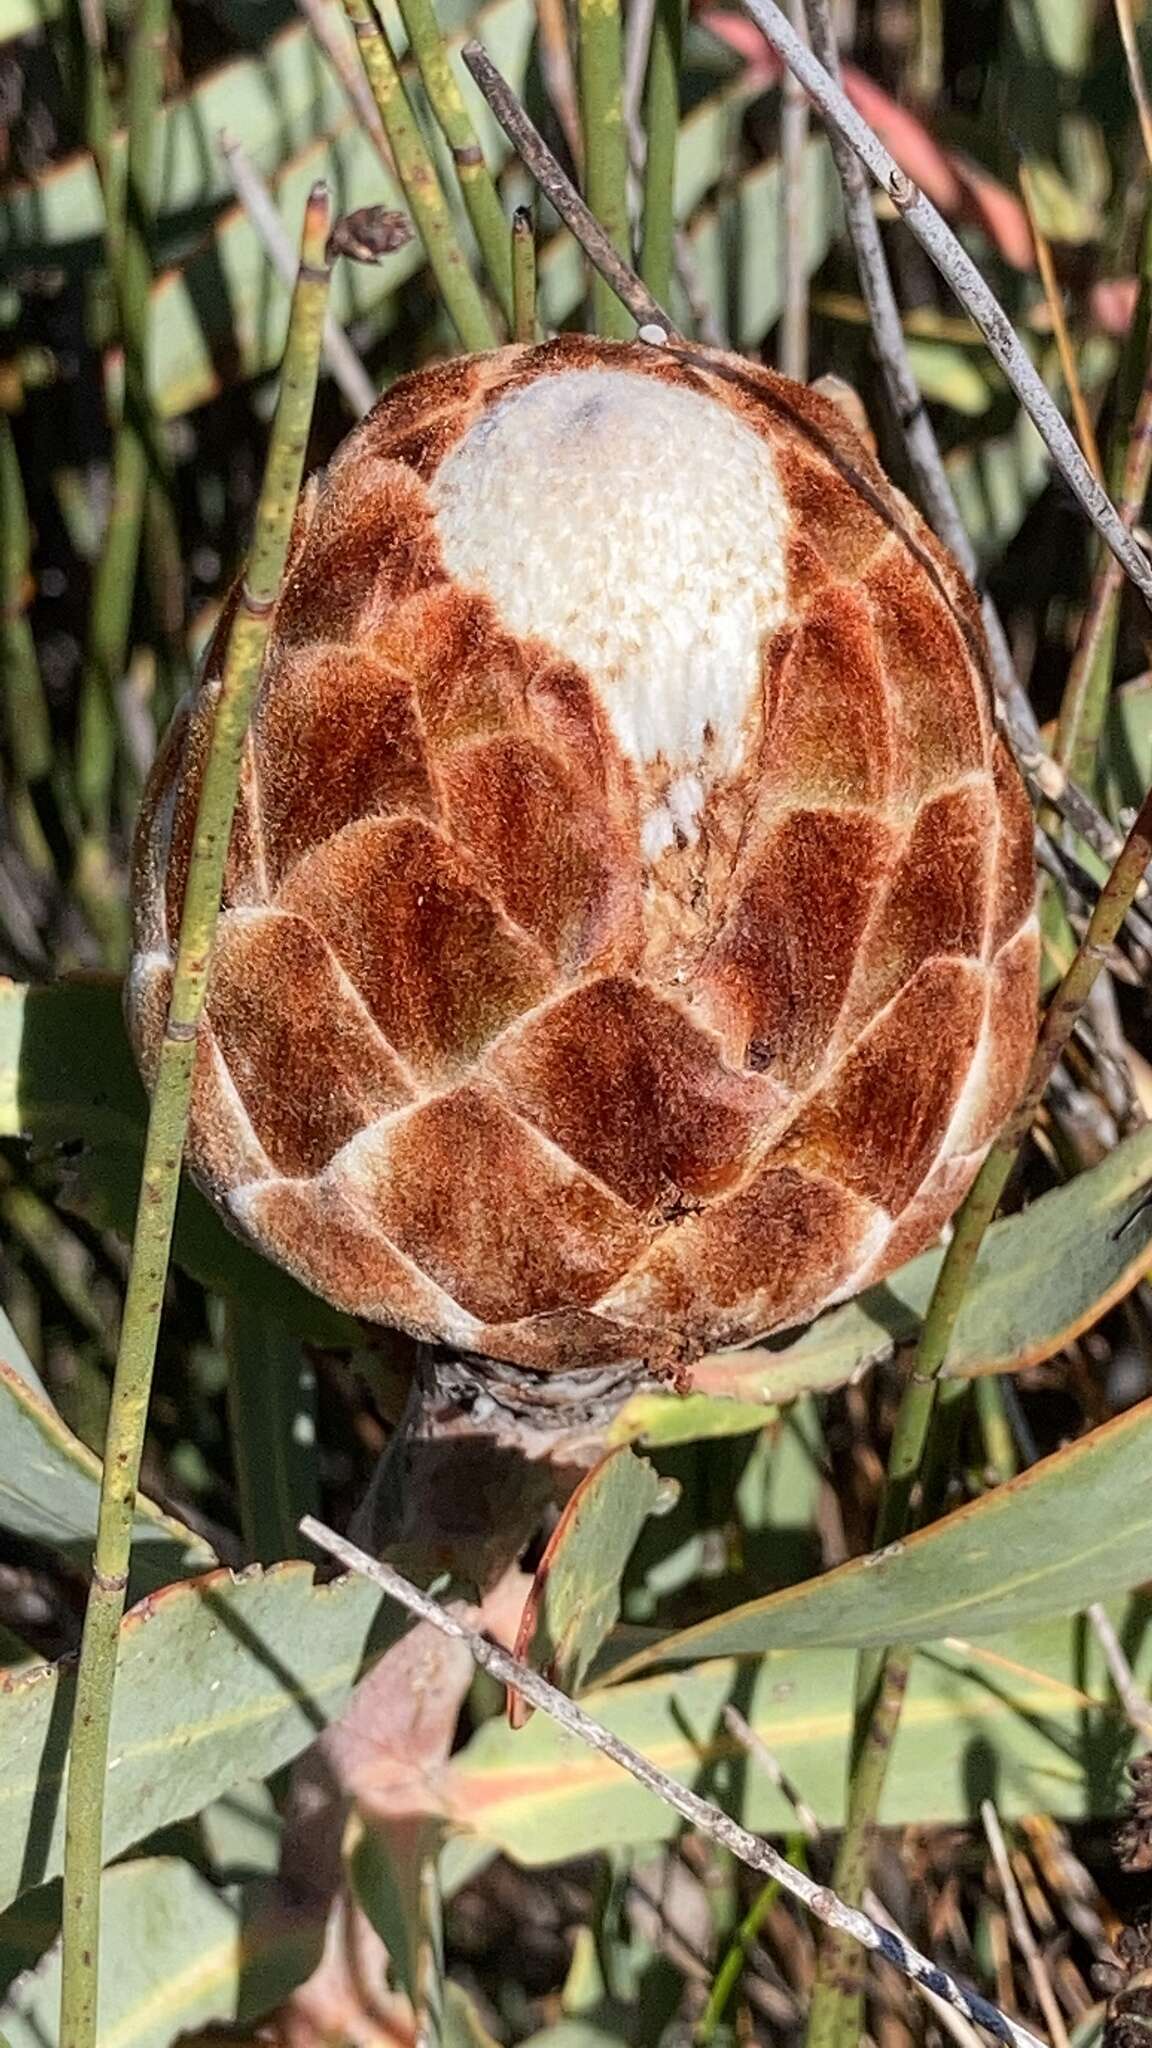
(524, 1034)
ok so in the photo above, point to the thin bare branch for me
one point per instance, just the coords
(330, 32)
(1136, 1705)
(537, 158)
(959, 271)
(793, 353)
(699, 1813)
(1136, 78)
(347, 370)
(1022, 1927)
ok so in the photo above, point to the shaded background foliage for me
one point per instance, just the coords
(572, 1907)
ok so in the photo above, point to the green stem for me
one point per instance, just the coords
(128, 203)
(835, 2017)
(835, 2014)
(605, 147)
(421, 184)
(477, 185)
(272, 1430)
(523, 275)
(999, 1444)
(109, 628)
(735, 1958)
(164, 1144)
(662, 127)
(26, 721)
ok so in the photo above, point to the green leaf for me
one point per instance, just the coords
(661, 1420)
(1073, 1528)
(391, 1863)
(219, 1680)
(272, 1413)
(1126, 747)
(996, 482)
(748, 218)
(1041, 1277)
(1029, 1721)
(241, 1833)
(950, 376)
(68, 1084)
(575, 1595)
(50, 1485)
(175, 1954)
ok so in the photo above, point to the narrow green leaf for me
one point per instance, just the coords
(575, 1595)
(176, 1954)
(1070, 1530)
(50, 1487)
(1028, 1721)
(391, 1864)
(272, 1412)
(219, 1680)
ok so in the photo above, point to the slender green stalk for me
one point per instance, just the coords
(735, 1957)
(109, 627)
(605, 147)
(164, 1144)
(422, 189)
(836, 2014)
(662, 128)
(477, 185)
(26, 722)
(523, 275)
(999, 1444)
(128, 204)
(834, 2021)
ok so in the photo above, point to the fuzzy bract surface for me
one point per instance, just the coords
(628, 942)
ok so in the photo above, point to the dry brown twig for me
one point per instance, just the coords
(536, 156)
(749, 1849)
(960, 273)
(1022, 1927)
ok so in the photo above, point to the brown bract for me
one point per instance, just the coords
(628, 942)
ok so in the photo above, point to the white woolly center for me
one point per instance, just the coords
(640, 529)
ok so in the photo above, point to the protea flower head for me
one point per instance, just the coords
(628, 941)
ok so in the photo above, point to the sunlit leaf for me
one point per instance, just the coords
(220, 1680)
(175, 1953)
(50, 1485)
(575, 1595)
(1028, 1721)
(1068, 1531)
